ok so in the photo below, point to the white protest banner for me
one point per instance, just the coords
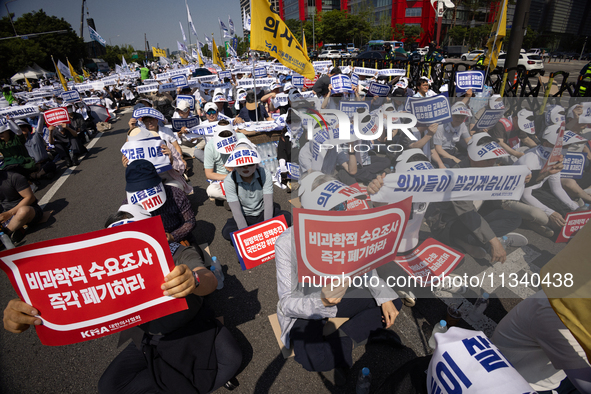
(308, 94)
(341, 84)
(19, 112)
(322, 63)
(111, 82)
(255, 244)
(167, 87)
(392, 72)
(298, 81)
(379, 89)
(345, 69)
(321, 69)
(98, 85)
(350, 107)
(428, 260)
(489, 118)
(355, 79)
(470, 363)
(574, 222)
(179, 80)
(213, 86)
(206, 78)
(280, 100)
(84, 86)
(188, 99)
(455, 184)
(147, 88)
(570, 137)
(150, 150)
(179, 123)
(56, 116)
(466, 80)
(148, 81)
(264, 126)
(71, 96)
(202, 130)
(281, 69)
(91, 285)
(365, 71)
(574, 164)
(224, 74)
(430, 110)
(260, 72)
(585, 117)
(92, 100)
(346, 243)
(180, 71)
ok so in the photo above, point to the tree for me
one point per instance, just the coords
(383, 30)
(114, 54)
(457, 34)
(412, 33)
(16, 53)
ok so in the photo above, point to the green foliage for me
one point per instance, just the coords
(15, 54)
(412, 33)
(114, 54)
(457, 34)
(478, 36)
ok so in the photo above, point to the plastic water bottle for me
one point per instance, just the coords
(71, 155)
(6, 241)
(391, 169)
(479, 307)
(218, 266)
(363, 381)
(439, 327)
(503, 240)
(217, 275)
(275, 165)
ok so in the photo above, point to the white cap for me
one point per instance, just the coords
(183, 105)
(321, 199)
(496, 102)
(274, 86)
(403, 164)
(487, 149)
(209, 106)
(525, 121)
(554, 114)
(460, 108)
(150, 199)
(368, 125)
(402, 83)
(552, 131)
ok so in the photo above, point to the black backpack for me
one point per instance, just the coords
(260, 179)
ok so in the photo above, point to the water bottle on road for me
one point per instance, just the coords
(6, 241)
(439, 327)
(218, 266)
(363, 381)
(217, 275)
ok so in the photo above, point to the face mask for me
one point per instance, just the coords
(246, 171)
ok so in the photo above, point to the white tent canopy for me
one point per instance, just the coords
(35, 72)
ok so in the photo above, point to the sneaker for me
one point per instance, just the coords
(17, 236)
(538, 228)
(231, 384)
(515, 240)
(475, 251)
(408, 299)
(447, 285)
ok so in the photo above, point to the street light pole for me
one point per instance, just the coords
(10, 16)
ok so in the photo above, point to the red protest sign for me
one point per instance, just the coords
(56, 116)
(357, 203)
(431, 258)
(556, 151)
(574, 222)
(308, 83)
(333, 243)
(255, 244)
(95, 284)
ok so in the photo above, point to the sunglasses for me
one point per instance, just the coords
(211, 112)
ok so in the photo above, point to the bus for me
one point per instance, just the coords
(378, 45)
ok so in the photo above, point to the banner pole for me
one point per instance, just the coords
(256, 102)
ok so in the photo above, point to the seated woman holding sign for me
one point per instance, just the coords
(249, 190)
(302, 309)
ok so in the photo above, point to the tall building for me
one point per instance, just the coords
(304, 9)
(277, 4)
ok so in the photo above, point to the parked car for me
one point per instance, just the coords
(313, 54)
(345, 54)
(472, 55)
(372, 55)
(527, 62)
(539, 52)
(331, 54)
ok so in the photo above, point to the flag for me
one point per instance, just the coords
(156, 52)
(28, 84)
(164, 61)
(124, 63)
(61, 77)
(232, 51)
(198, 56)
(86, 74)
(118, 69)
(183, 31)
(73, 72)
(231, 26)
(215, 57)
(208, 41)
(224, 28)
(191, 25)
(64, 69)
(495, 40)
(245, 20)
(304, 46)
(95, 36)
(270, 34)
(200, 44)
(183, 61)
(181, 47)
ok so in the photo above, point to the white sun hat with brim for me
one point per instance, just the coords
(525, 121)
(483, 147)
(322, 200)
(224, 145)
(412, 160)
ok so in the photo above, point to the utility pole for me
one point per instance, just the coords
(82, 21)
(517, 32)
(583, 50)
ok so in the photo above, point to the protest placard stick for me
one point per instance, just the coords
(254, 84)
(556, 155)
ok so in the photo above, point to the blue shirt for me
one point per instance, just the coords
(249, 194)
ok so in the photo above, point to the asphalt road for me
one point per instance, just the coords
(95, 189)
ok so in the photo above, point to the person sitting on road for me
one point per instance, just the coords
(37, 149)
(424, 88)
(12, 147)
(64, 138)
(251, 111)
(249, 190)
(19, 205)
(216, 154)
(460, 222)
(451, 138)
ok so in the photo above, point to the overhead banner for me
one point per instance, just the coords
(19, 112)
(392, 72)
(95, 284)
(179, 123)
(574, 222)
(489, 118)
(96, 37)
(347, 243)
(430, 259)
(56, 116)
(202, 130)
(466, 80)
(355, 79)
(341, 84)
(147, 88)
(365, 71)
(574, 164)
(457, 184)
(71, 96)
(430, 110)
(167, 87)
(179, 80)
(157, 52)
(255, 244)
(150, 150)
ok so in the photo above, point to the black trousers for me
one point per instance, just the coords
(231, 225)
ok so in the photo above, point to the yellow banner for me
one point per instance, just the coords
(86, 74)
(270, 34)
(215, 57)
(28, 84)
(61, 77)
(158, 52)
(184, 62)
(495, 41)
(73, 73)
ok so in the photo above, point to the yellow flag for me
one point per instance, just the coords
(270, 34)
(495, 40)
(215, 56)
(304, 46)
(183, 61)
(86, 74)
(158, 52)
(73, 73)
(62, 79)
(199, 57)
(28, 84)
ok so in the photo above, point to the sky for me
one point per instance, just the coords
(125, 21)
